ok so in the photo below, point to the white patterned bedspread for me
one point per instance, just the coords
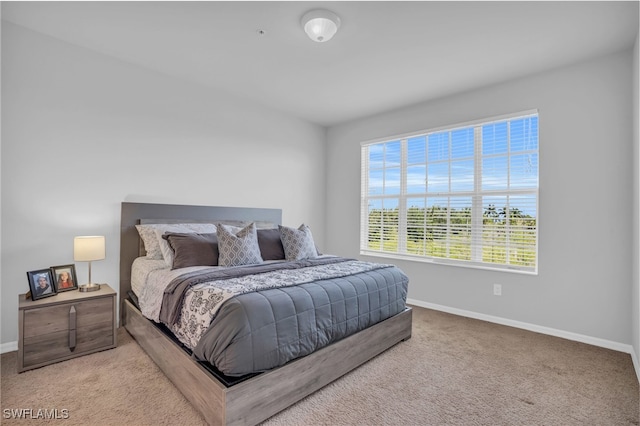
(149, 278)
(202, 301)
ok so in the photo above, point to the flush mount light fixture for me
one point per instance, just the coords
(320, 24)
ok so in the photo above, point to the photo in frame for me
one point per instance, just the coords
(65, 277)
(41, 284)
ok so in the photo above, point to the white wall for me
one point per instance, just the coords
(585, 264)
(83, 132)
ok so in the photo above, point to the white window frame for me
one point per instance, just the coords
(476, 194)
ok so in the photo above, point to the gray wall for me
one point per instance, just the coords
(83, 132)
(585, 263)
(635, 300)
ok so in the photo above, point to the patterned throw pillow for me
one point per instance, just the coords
(239, 248)
(298, 243)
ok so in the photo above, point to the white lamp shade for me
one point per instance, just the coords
(320, 25)
(88, 248)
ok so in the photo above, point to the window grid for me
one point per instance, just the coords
(481, 211)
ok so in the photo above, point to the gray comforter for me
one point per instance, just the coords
(264, 329)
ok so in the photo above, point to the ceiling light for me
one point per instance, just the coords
(320, 24)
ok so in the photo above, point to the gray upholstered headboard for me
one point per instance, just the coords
(135, 213)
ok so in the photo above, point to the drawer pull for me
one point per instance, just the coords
(72, 328)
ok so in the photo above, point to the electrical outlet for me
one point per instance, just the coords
(497, 289)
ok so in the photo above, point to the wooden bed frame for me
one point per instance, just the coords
(259, 397)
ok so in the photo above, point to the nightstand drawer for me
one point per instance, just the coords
(65, 326)
(40, 349)
(44, 321)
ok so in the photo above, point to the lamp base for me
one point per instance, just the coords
(89, 287)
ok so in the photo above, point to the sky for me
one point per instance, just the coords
(508, 160)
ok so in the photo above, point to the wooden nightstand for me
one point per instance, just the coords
(65, 326)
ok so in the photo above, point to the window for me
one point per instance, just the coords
(466, 195)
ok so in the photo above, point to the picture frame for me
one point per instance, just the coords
(64, 277)
(37, 281)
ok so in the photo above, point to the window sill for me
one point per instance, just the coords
(449, 262)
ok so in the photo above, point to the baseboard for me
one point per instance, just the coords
(8, 347)
(608, 344)
(636, 362)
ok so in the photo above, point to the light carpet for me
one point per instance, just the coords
(453, 371)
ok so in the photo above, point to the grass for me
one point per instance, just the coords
(494, 241)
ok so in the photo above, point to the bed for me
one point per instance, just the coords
(228, 389)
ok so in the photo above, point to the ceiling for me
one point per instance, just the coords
(386, 55)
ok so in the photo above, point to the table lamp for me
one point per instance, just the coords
(88, 249)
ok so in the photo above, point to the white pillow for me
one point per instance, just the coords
(298, 243)
(238, 248)
(148, 234)
(156, 246)
(189, 228)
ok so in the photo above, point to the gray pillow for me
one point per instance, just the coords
(192, 249)
(239, 248)
(298, 243)
(270, 244)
